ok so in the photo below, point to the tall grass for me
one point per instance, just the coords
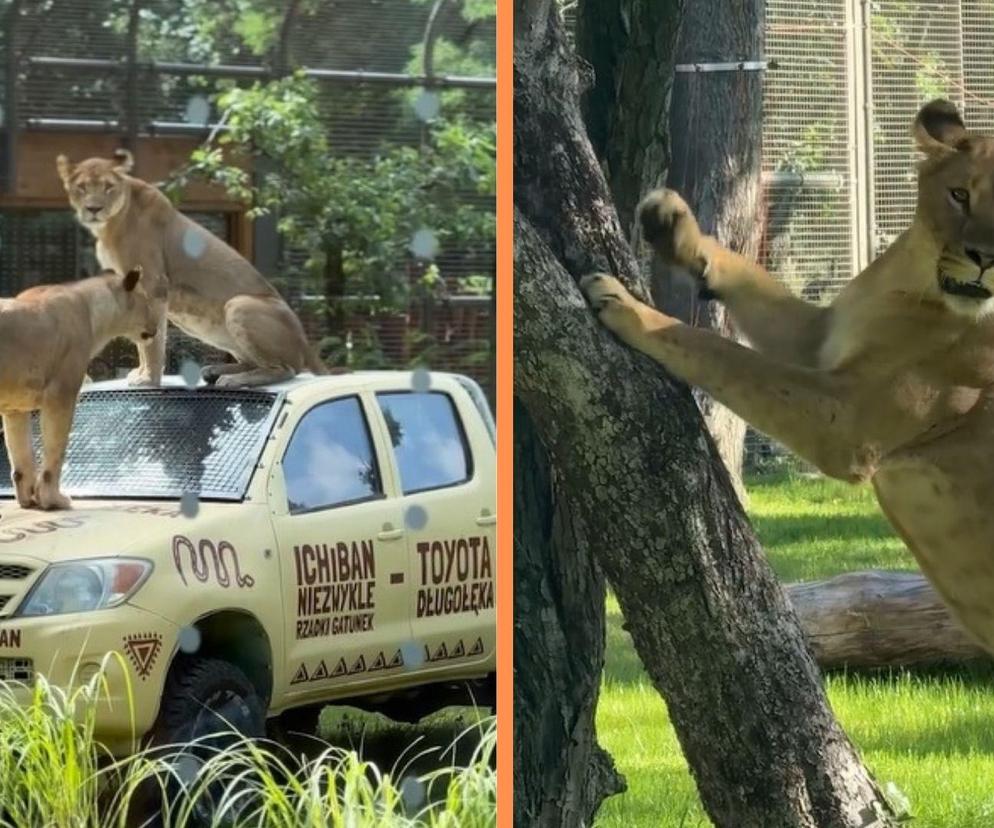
(55, 774)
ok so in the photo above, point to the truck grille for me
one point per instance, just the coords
(17, 669)
(14, 572)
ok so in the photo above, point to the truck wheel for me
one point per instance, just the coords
(205, 696)
(204, 701)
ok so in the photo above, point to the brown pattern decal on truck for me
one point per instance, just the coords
(143, 649)
(456, 576)
(335, 584)
(207, 558)
(443, 653)
(344, 668)
(41, 527)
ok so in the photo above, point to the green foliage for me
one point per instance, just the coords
(54, 773)
(470, 9)
(364, 210)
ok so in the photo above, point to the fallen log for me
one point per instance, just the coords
(879, 619)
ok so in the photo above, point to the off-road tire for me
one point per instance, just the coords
(194, 688)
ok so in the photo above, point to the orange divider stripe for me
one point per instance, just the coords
(505, 425)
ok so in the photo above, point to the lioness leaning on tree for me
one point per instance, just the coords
(892, 383)
(48, 335)
(214, 294)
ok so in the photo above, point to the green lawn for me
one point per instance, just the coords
(928, 736)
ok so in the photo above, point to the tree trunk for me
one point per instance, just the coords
(879, 619)
(561, 774)
(715, 122)
(643, 486)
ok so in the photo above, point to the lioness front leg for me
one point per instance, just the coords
(151, 359)
(811, 412)
(773, 319)
(17, 435)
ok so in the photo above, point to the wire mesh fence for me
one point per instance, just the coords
(152, 68)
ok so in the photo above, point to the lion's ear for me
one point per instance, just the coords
(64, 167)
(127, 161)
(938, 127)
(131, 278)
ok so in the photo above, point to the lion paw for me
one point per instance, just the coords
(137, 377)
(668, 224)
(602, 291)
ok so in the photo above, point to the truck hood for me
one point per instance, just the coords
(95, 528)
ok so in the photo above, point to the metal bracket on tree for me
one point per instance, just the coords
(728, 66)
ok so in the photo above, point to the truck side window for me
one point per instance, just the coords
(330, 460)
(427, 439)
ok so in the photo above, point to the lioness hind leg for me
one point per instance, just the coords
(17, 434)
(269, 341)
(56, 420)
(211, 373)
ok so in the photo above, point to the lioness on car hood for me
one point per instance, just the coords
(101, 528)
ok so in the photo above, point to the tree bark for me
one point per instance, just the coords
(561, 774)
(643, 486)
(714, 119)
(879, 619)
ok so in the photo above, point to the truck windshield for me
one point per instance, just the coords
(162, 443)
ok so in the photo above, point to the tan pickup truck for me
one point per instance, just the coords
(248, 552)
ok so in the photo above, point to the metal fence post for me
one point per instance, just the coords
(131, 102)
(11, 114)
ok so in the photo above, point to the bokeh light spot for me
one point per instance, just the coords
(413, 654)
(415, 517)
(189, 504)
(189, 639)
(427, 105)
(424, 244)
(420, 380)
(194, 242)
(190, 371)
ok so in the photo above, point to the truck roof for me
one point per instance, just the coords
(302, 381)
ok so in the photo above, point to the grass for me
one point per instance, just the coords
(928, 737)
(53, 774)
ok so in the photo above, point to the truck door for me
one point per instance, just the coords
(446, 474)
(343, 552)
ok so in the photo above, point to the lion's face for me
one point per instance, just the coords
(956, 203)
(97, 187)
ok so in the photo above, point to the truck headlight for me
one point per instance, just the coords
(81, 586)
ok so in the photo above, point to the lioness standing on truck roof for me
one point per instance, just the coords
(214, 294)
(48, 335)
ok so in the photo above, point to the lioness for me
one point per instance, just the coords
(893, 383)
(48, 335)
(214, 294)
